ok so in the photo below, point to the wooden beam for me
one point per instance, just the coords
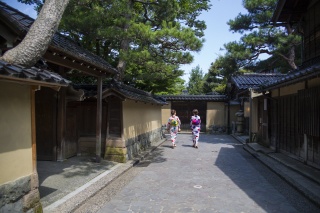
(81, 66)
(33, 128)
(99, 120)
(61, 125)
(55, 86)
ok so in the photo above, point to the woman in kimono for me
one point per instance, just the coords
(195, 124)
(173, 126)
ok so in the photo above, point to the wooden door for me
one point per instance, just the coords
(114, 128)
(46, 124)
(86, 121)
(71, 130)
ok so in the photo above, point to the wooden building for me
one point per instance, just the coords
(291, 105)
(131, 120)
(19, 179)
(239, 91)
(36, 117)
(54, 116)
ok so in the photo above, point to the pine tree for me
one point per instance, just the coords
(146, 40)
(196, 81)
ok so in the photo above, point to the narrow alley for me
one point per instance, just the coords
(220, 176)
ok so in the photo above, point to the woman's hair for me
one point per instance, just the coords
(195, 111)
(173, 112)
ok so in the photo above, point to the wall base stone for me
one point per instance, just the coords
(21, 195)
(122, 151)
(117, 154)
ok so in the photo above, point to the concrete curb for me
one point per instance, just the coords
(316, 178)
(74, 199)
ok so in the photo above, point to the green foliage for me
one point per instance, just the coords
(175, 89)
(37, 3)
(196, 81)
(260, 37)
(153, 38)
(219, 71)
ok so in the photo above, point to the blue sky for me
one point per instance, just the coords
(216, 34)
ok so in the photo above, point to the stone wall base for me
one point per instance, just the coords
(122, 151)
(21, 195)
(116, 154)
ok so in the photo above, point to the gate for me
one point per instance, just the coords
(184, 112)
(46, 124)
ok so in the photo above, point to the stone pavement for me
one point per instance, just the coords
(213, 178)
(66, 185)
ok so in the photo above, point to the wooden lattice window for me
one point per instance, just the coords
(309, 111)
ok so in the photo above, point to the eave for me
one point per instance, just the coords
(289, 11)
(10, 79)
(66, 60)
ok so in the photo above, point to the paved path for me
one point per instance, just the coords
(218, 177)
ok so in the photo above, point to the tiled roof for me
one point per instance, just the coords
(295, 77)
(21, 23)
(123, 90)
(254, 80)
(194, 97)
(32, 75)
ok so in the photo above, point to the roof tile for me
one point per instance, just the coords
(125, 90)
(254, 80)
(294, 76)
(37, 75)
(194, 97)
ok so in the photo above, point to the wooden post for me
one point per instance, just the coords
(250, 116)
(61, 125)
(99, 120)
(33, 127)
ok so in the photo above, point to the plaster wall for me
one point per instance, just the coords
(275, 93)
(165, 113)
(315, 82)
(292, 89)
(15, 131)
(140, 118)
(216, 114)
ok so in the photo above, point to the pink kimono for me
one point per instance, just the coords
(195, 124)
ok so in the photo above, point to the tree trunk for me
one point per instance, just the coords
(38, 38)
(124, 46)
(291, 55)
(291, 58)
